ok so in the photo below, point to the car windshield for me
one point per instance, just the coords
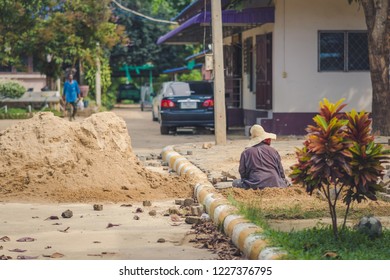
(204, 88)
(179, 89)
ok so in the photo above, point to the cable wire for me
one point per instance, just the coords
(141, 15)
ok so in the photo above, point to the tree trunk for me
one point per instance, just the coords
(377, 13)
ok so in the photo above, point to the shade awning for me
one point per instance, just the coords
(197, 29)
(182, 69)
(196, 7)
(197, 55)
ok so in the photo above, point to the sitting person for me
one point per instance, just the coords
(260, 164)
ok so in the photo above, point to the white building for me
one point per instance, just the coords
(282, 59)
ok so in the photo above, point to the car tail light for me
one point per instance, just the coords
(208, 103)
(166, 103)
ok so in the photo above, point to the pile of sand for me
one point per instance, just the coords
(47, 158)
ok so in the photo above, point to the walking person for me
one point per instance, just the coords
(71, 94)
(260, 164)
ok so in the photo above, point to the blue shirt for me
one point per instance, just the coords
(71, 91)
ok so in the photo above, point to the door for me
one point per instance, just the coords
(264, 71)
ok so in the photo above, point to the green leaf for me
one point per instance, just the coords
(319, 120)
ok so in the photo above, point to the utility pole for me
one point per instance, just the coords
(98, 80)
(219, 79)
(98, 84)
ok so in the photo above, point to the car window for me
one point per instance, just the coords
(179, 89)
(127, 87)
(164, 88)
(202, 88)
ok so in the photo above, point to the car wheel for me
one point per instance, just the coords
(164, 130)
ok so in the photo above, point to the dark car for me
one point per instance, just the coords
(128, 92)
(190, 105)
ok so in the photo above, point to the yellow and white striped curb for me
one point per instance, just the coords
(245, 235)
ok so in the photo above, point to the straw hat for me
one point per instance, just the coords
(258, 134)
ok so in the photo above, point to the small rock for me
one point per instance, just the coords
(139, 210)
(173, 210)
(98, 207)
(188, 202)
(124, 188)
(207, 145)
(136, 217)
(179, 201)
(146, 203)
(189, 153)
(193, 220)
(196, 210)
(52, 218)
(152, 213)
(161, 240)
(223, 185)
(67, 214)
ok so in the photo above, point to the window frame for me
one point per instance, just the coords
(345, 51)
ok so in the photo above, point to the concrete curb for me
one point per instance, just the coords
(245, 235)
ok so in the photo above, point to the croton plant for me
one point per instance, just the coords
(340, 158)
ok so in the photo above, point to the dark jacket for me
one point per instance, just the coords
(260, 167)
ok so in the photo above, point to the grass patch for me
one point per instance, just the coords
(127, 101)
(318, 243)
(21, 113)
(15, 113)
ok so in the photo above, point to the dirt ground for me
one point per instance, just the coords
(283, 207)
(49, 165)
(96, 164)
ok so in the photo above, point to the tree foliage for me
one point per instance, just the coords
(57, 33)
(143, 34)
(73, 31)
(17, 21)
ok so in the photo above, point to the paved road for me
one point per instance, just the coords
(145, 133)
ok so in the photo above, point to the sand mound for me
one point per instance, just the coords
(47, 158)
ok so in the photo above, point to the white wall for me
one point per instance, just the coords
(35, 81)
(295, 53)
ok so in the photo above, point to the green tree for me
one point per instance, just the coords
(143, 34)
(17, 20)
(377, 14)
(74, 31)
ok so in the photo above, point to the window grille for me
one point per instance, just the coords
(343, 51)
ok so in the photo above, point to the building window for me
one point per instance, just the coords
(248, 62)
(343, 51)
